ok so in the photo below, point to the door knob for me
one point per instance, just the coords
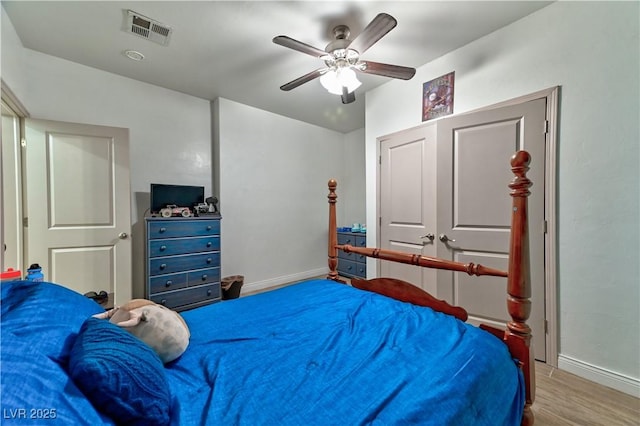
(429, 236)
(445, 239)
(122, 235)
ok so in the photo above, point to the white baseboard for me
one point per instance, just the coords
(626, 384)
(286, 279)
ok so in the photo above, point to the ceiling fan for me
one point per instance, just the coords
(342, 58)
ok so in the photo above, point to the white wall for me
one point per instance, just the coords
(273, 175)
(352, 190)
(12, 55)
(591, 50)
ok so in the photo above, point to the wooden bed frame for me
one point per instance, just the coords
(517, 334)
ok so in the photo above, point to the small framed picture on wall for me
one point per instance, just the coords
(437, 97)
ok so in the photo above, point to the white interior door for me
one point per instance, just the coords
(408, 213)
(474, 208)
(78, 205)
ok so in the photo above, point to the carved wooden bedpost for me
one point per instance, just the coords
(518, 333)
(333, 231)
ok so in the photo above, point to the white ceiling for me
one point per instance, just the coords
(224, 48)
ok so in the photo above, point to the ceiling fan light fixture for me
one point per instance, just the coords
(335, 80)
(342, 59)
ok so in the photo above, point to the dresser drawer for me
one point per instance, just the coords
(361, 241)
(344, 239)
(346, 267)
(361, 270)
(167, 282)
(345, 255)
(180, 263)
(172, 228)
(203, 276)
(175, 299)
(167, 247)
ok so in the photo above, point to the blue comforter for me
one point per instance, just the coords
(314, 353)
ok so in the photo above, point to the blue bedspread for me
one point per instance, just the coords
(314, 353)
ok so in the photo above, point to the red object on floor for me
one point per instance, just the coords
(10, 275)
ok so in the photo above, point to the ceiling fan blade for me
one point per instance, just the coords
(299, 46)
(347, 97)
(381, 25)
(304, 79)
(386, 70)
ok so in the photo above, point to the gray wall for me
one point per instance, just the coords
(591, 50)
(273, 174)
(352, 190)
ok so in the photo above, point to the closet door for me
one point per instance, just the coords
(473, 208)
(408, 209)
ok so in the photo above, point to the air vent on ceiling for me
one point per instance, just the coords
(144, 27)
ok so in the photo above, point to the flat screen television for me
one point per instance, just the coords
(180, 195)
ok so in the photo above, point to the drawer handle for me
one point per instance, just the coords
(162, 230)
(163, 302)
(168, 283)
(209, 244)
(209, 260)
(163, 248)
(209, 228)
(163, 266)
(209, 292)
(204, 277)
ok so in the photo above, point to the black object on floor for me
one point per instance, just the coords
(231, 286)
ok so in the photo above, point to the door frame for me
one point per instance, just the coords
(551, 95)
(10, 101)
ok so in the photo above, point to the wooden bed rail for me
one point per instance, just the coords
(517, 335)
(424, 261)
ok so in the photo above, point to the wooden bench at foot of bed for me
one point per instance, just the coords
(517, 335)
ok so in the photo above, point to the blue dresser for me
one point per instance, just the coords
(350, 264)
(182, 261)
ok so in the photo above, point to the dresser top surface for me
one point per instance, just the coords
(176, 219)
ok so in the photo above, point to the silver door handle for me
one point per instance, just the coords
(122, 235)
(445, 239)
(429, 236)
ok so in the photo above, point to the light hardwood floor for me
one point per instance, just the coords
(564, 399)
